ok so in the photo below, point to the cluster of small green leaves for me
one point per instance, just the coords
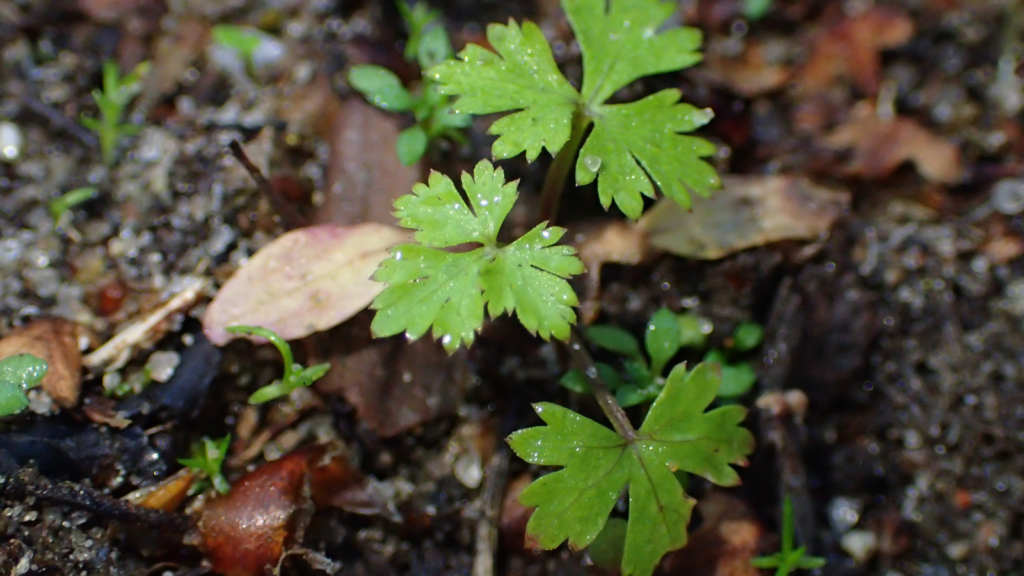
(428, 45)
(430, 286)
(112, 102)
(18, 374)
(788, 560)
(641, 380)
(678, 435)
(295, 375)
(633, 146)
(207, 459)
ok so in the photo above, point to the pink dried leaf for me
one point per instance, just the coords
(304, 281)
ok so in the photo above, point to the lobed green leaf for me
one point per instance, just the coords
(633, 144)
(523, 77)
(678, 435)
(430, 287)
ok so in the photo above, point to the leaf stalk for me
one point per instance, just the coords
(605, 399)
(554, 181)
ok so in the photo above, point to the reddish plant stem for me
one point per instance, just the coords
(605, 399)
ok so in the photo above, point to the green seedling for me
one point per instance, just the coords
(244, 40)
(428, 45)
(788, 560)
(678, 435)
(207, 459)
(18, 374)
(642, 378)
(60, 206)
(295, 375)
(429, 286)
(112, 102)
(457, 271)
(632, 147)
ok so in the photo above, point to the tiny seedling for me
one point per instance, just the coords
(666, 334)
(756, 9)
(61, 205)
(295, 375)
(788, 560)
(245, 49)
(633, 146)
(18, 374)
(429, 286)
(678, 435)
(428, 45)
(207, 458)
(112, 102)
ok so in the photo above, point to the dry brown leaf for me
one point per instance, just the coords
(609, 242)
(393, 384)
(364, 175)
(750, 75)
(55, 341)
(748, 211)
(851, 49)
(173, 54)
(880, 146)
(304, 281)
(726, 542)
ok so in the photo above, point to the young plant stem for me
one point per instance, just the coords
(554, 181)
(605, 399)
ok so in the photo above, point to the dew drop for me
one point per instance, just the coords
(592, 162)
(398, 255)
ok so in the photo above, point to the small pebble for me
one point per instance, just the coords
(11, 141)
(958, 550)
(861, 545)
(161, 365)
(844, 512)
(1008, 196)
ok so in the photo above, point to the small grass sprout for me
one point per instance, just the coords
(295, 375)
(788, 560)
(112, 102)
(207, 459)
(18, 374)
(60, 206)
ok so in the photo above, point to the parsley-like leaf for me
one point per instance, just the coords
(428, 286)
(574, 503)
(633, 147)
(521, 76)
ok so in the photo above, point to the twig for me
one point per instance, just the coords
(290, 216)
(28, 483)
(59, 121)
(782, 335)
(487, 526)
(605, 399)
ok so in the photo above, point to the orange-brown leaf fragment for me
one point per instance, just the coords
(726, 541)
(851, 49)
(304, 281)
(879, 146)
(55, 341)
(249, 529)
(266, 512)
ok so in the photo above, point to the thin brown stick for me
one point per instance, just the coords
(289, 215)
(605, 399)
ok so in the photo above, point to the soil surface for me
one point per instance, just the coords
(890, 397)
